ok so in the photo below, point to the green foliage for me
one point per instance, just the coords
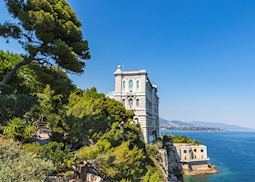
(29, 84)
(196, 142)
(8, 60)
(49, 31)
(120, 154)
(19, 165)
(14, 105)
(153, 174)
(33, 78)
(152, 150)
(59, 154)
(124, 162)
(90, 114)
(90, 102)
(185, 139)
(87, 119)
(19, 130)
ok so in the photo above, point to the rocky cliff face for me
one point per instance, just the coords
(170, 161)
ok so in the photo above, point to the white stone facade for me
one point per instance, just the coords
(192, 153)
(135, 91)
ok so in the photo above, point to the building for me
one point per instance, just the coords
(193, 157)
(190, 152)
(136, 92)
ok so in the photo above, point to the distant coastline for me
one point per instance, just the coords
(189, 128)
(199, 126)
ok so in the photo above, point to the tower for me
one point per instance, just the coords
(135, 91)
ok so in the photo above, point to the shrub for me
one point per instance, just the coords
(19, 165)
(18, 130)
(59, 154)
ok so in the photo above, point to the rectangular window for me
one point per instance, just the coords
(130, 84)
(137, 84)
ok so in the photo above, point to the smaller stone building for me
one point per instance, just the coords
(194, 158)
(192, 153)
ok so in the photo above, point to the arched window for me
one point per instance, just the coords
(123, 101)
(137, 84)
(124, 84)
(130, 84)
(130, 102)
(137, 102)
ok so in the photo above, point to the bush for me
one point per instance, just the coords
(59, 154)
(18, 130)
(19, 165)
(121, 154)
(185, 139)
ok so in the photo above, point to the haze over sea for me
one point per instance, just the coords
(233, 153)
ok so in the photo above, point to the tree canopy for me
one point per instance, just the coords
(49, 32)
(36, 93)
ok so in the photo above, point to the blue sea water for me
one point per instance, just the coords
(233, 154)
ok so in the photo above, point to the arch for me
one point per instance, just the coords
(137, 102)
(130, 102)
(130, 84)
(154, 133)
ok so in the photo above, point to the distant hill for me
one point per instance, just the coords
(174, 123)
(199, 125)
(222, 126)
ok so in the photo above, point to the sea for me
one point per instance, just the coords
(233, 154)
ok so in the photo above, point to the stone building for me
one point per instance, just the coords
(194, 159)
(136, 92)
(192, 153)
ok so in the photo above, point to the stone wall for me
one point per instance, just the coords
(170, 162)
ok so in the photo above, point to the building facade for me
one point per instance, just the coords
(191, 153)
(135, 91)
(194, 159)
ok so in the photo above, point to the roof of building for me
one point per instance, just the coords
(188, 145)
(120, 71)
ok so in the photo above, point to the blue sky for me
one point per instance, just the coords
(200, 53)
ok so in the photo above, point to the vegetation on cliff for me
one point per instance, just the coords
(18, 164)
(36, 92)
(95, 127)
(180, 139)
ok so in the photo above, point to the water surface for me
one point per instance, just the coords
(233, 153)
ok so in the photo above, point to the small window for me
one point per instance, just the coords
(124, 84)
(137, 84)
(202, 150)
(185, 158)
(185, 151)
(130, 84)
(195, 156)
(123, 101)
(137, 102)
(195, 150)
(130, 102)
